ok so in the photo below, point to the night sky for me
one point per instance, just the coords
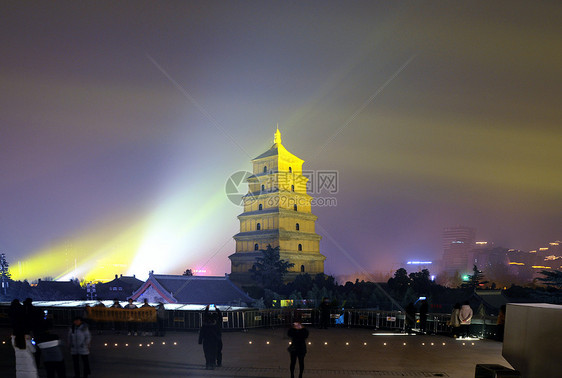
(121, 122)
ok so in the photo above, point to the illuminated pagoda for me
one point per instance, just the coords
(277, 211)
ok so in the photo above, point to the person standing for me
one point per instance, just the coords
(115, 317)
(455, 322)
(131, 323)
(324, 313)
(424, 308)
(410, 317)
(217, 316)
(501, 322)
(298, 335)
(209, 337)
(15, 313)
(465, 317)
(25, 358)
(52, 355)
(79, 339)
(160, 318)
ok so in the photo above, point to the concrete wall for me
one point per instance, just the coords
(533, 339)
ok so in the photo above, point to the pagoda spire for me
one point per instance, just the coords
(277, 137)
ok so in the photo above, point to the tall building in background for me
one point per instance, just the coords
(277, 211)
(457, 245)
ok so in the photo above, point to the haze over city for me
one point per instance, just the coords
(121, 124)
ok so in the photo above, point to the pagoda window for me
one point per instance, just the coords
(295, 207)
(260, 207)
(292, 188)
(258, 226)
(256, 247)
(297, 227)
(302, 268)
(290, 170)
(300, 247)
(265, 169)
(263, 188)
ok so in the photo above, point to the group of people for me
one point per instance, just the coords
(210, 336)
(33, 343)
(461, 317)
(132, 325)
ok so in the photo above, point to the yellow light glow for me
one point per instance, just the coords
(541, 267)
(516, 263)
(543, 249)
(127, 244)
(554, 243)
(482, 242)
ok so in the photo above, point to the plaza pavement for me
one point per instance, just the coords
(335, 352)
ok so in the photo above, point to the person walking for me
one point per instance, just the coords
(79, 339)
(465, 317)
(455, 322)
(209, 336)
(25, 358)
(298, 335)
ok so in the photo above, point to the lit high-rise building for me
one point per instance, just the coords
(457, 245)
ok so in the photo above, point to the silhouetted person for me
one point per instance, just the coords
(424, 308)
(32, 318)
(501, 322)
(147, 326)
(209, 336)
(131, 323)
(410, 317)
(298, 335)
(217, 316)
(15, 313)
(324, 313)
(116, 322)
(160, 319)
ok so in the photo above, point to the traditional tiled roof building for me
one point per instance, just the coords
(191, 290)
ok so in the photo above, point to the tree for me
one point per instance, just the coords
(5, 275)
(476, 279)
(269, 269)
(421, 282)
(400, 282)
(4, 268)
(188, 272)
(552, 278)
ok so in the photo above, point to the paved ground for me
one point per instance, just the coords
(263, 353)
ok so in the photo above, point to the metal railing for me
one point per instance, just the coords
(183, 320)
